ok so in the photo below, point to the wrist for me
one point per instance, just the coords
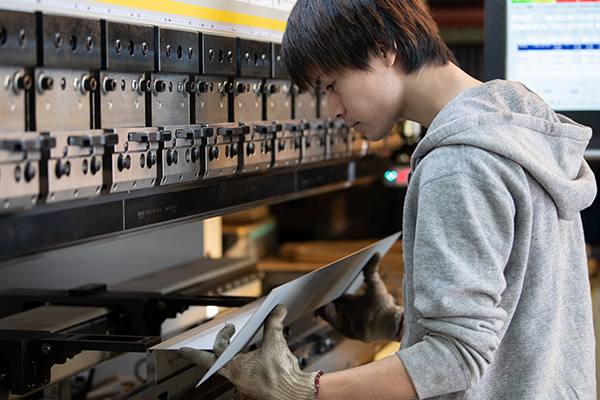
(300, 386)
(392, 326)
(400, 325)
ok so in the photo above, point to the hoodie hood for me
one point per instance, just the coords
(510, 120)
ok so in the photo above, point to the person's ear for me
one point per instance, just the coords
(387, 55)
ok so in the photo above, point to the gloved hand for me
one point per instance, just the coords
(368, 316)
(268, 373)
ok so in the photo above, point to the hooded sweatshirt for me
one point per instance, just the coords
(496, 291)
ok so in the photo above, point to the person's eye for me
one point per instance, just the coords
(331, 87)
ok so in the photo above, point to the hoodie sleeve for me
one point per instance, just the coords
(463, 236)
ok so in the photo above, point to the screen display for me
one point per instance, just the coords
(553, 47)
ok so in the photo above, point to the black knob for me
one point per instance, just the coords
(90, 84)
(123, 162)
(251, 149)
(47, 83)
(169, 157)
(175, 156)
(110, 85)
(241, 88)
(145, 85)
(308, 142)
(273, 89)
(195, 154)
(228, 87)
(262, 88)
(282, 145)
(213, 153)
(62, 169)
(269, 146)
(202, 87)
(151, 160)
(24, 82)
(29, 172)
(160, 86)
(190, 86)
(234, 150)
(95, 165)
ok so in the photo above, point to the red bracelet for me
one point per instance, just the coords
(317, 384)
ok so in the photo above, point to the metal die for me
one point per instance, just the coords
(212, 104)
(288, 143)
(337, 143)
(18, 38)
(222, 151)
(181, 159)
(132, 162)
(305, 104)
(20, 155)
(122, 99)
(170, 99)
(248, 99)
(15, 82)
(278, 99)
(258, 146)
(314, 142)
(74, 168)
(62, 99)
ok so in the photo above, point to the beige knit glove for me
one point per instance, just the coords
(268, 373)
(368, 316)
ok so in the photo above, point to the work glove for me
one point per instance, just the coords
(368, 316)
(268, 373)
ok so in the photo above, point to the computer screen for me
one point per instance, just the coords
(553, 47)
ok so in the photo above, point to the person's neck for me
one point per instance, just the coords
(432, 88)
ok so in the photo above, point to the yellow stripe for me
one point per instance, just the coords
(188, 10)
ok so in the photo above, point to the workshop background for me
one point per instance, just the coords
(156, 162)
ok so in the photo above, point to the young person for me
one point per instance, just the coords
(497, 301)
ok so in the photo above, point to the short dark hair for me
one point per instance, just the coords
(327, 36)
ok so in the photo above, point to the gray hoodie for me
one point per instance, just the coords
(496, 291)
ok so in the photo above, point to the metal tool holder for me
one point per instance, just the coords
(181, 158)
(128, 54)
(258, 146)
(73, 168)
(214, 88)
(250, 86)
(314, 142)
(278, 96)
(173, 84)
(20, 155)
(18, 55)
(222, 151)
(64, 79)
(131, 163)
(287, 148)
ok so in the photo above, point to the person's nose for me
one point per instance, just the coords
(336, 108)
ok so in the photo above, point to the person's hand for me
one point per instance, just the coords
(368, 316)
(270, 372)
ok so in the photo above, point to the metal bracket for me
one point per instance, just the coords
(194, 133)
(93, 141)
(273, 128)
(145, 137)
(38, 144)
